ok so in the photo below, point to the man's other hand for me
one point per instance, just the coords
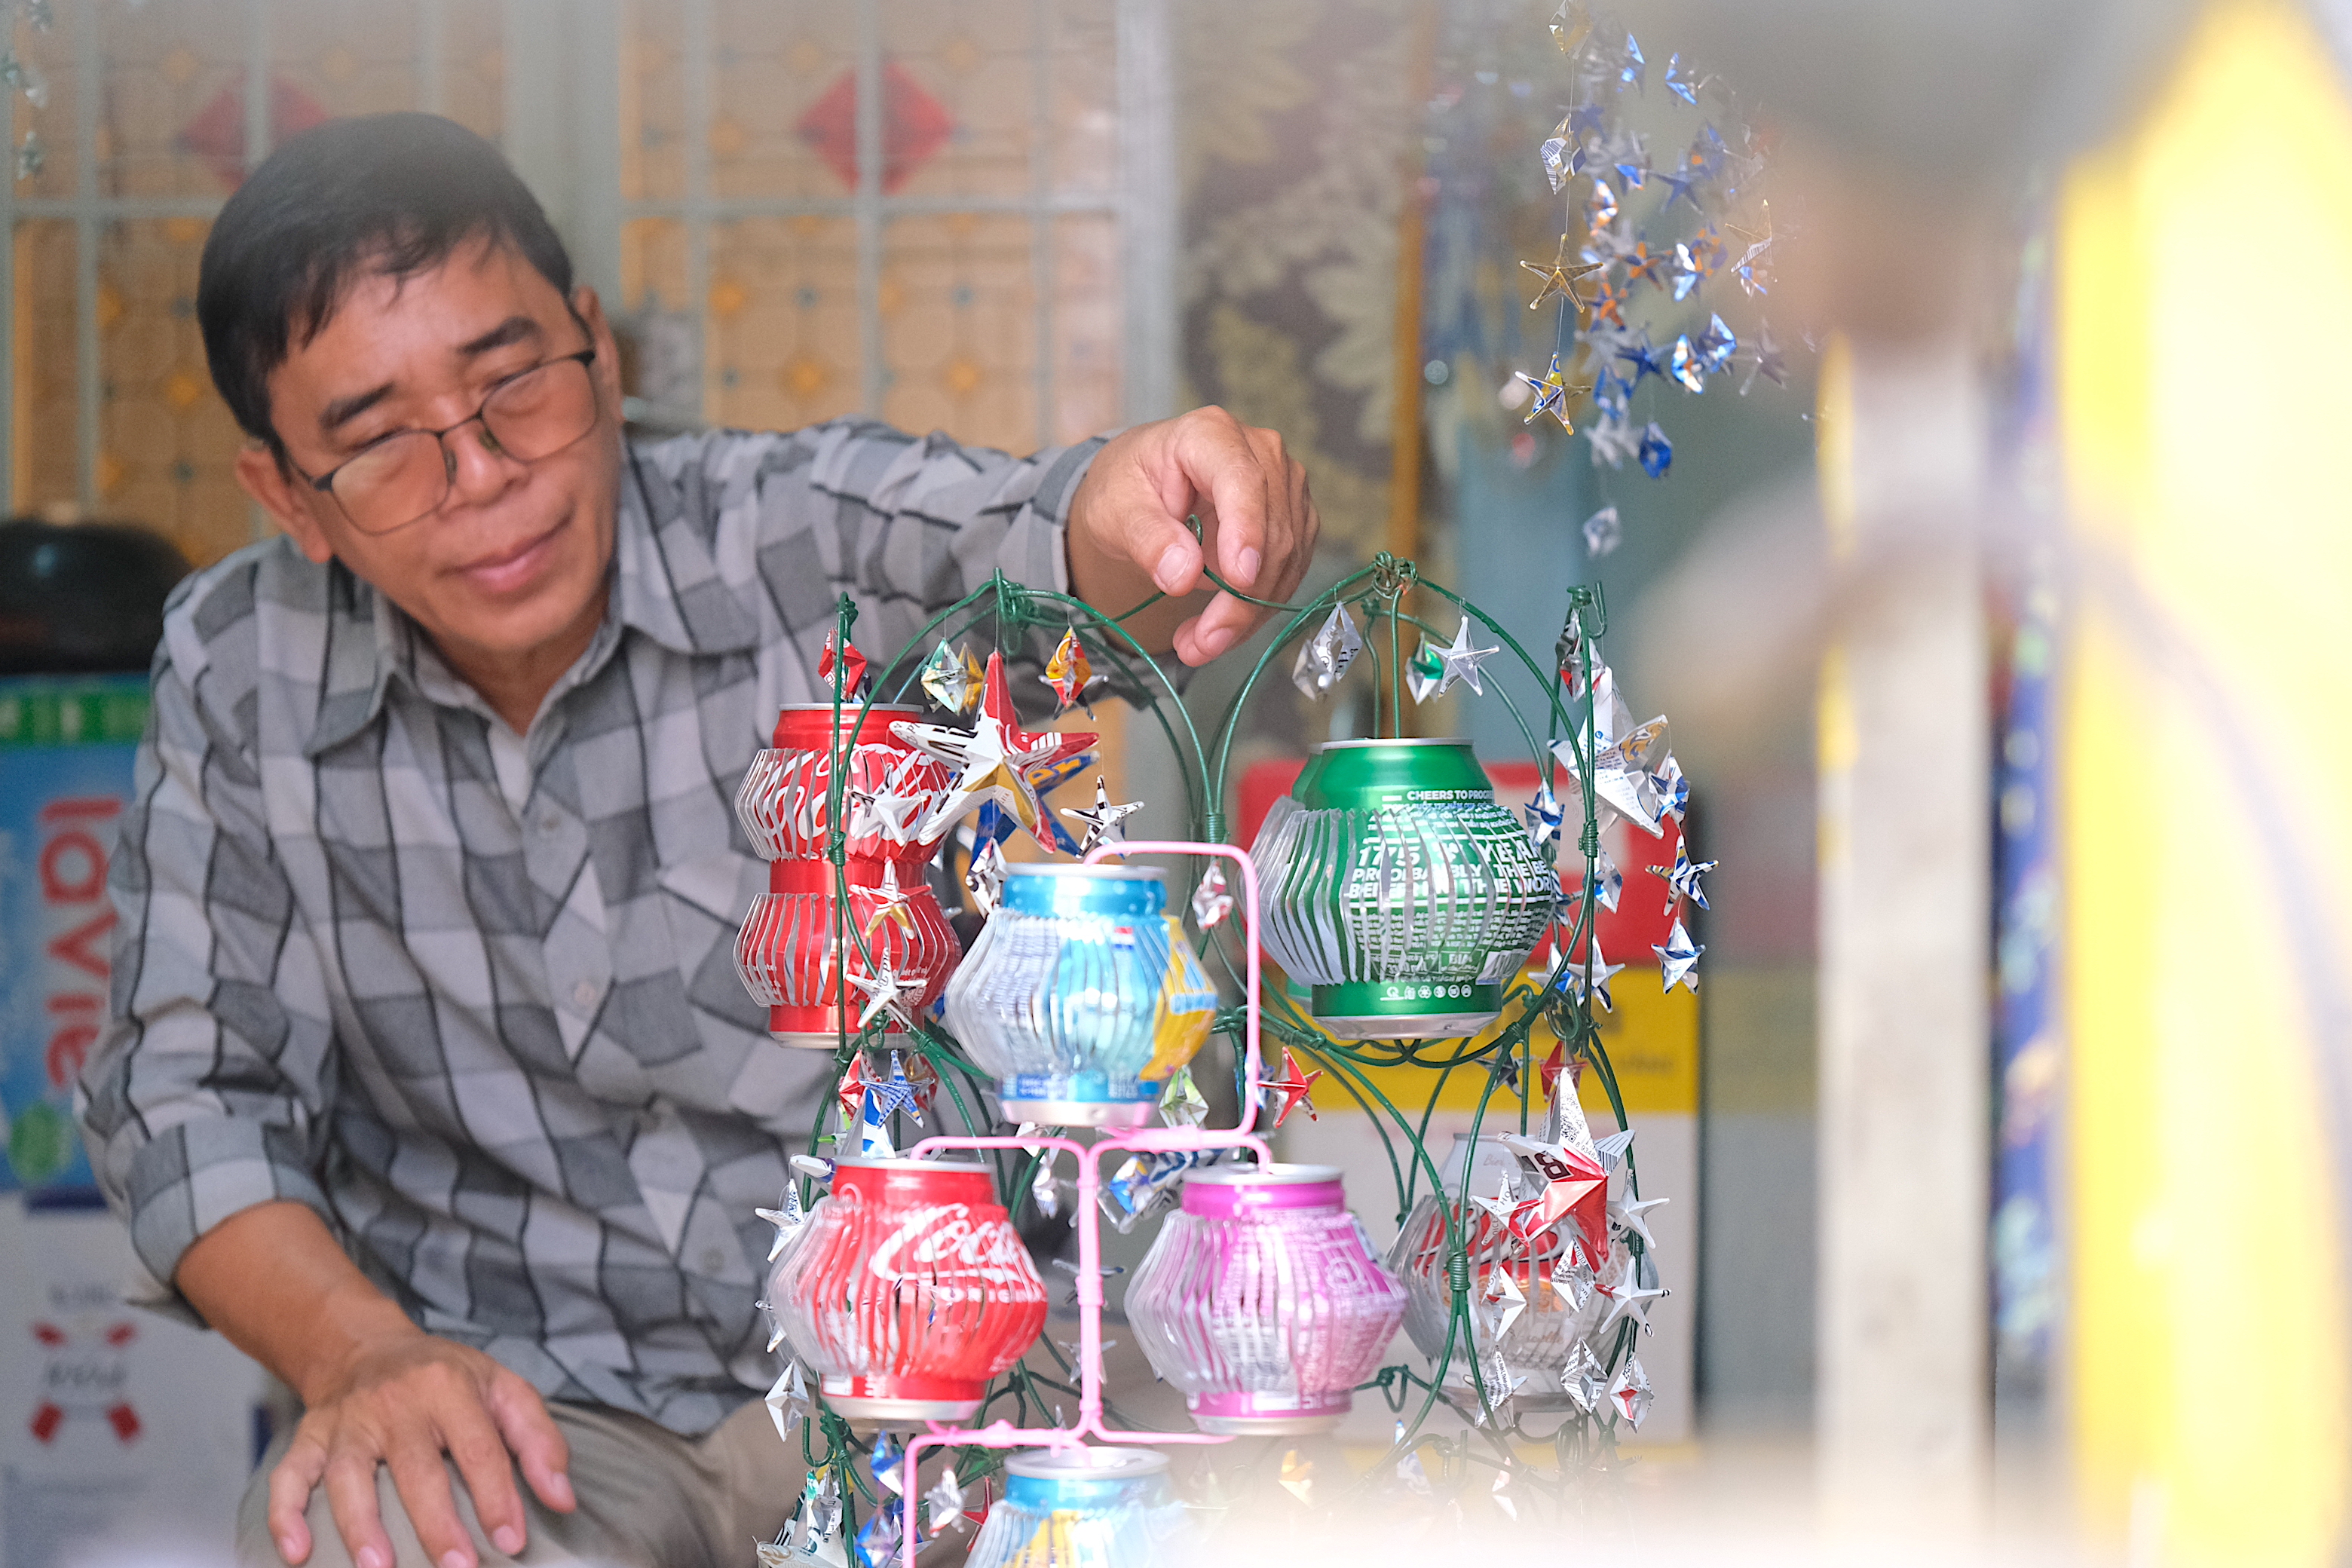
(403, 1403)
(1128, 535)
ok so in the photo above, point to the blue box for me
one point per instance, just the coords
(66, 748)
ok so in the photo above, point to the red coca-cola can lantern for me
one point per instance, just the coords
(798, 940)
(908, 1291)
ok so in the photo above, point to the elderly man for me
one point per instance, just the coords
(429, 1081)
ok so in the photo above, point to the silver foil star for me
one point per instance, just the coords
(1458, 660)
(1681, 880)
(1324, 658)
(1630, 1391)
(1101, 819)
(1590, 978)
(1584, 1378)
(1678, 958)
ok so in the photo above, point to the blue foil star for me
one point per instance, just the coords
(1689, 368)
(1716, 345)
(1642, 357)
(1681, 82)
(1636, 69)
(1657, 453)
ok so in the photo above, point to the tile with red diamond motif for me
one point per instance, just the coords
(915, 126)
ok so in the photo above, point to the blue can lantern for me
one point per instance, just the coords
(1081, 998)
(1084, 1508)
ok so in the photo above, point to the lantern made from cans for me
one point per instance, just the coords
(1080, 996)
(794, 941)
(1399, 891)
(1520, 1312)
(1084, 1508)
(906, 1290)
(1261, 1300)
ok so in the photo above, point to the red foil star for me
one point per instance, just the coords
(1292, 1090)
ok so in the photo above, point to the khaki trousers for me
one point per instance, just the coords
(648, 1499)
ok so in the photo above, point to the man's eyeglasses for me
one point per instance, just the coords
(397, 478)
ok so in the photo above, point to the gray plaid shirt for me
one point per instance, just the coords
(471, 996)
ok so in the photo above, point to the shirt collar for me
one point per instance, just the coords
(666, 586)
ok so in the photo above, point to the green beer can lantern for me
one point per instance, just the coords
(1399, 891)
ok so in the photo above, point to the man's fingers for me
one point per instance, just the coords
(537, 1442)
(350, 1481)
(290, 1485)
(1222, 463)
(422, 1482)
(488, 1470)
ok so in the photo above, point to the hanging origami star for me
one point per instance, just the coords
(1657, 453)
(1678, 958)
(1507, 1302)
(1600, 207)
(1628, 1298)
(1436, 668)
(1636, 67)
(1620, 768)
(1673, 790)
(945, 1502)
(1324, 658)
(1572, 25)
(1643, 265)
(1045, 1192)
(884, 1463)
(788, 1402)
(1498, 1208)
(788, 1218)
(1608, 303)
(1559, 276)
(985, 877)
(952, 678)
(1102, 820)
(1629, 158)
(890, 903)
(1642, 357)
(1681, 82)
(995, 760)
(1558, 153)
(887, 814)
(1630, 1391)
(1550, 393)
(1584, 1378)
(1068, 672)
(1575, 1188)
(852, 664)
(894, 1094)
(1181, 1104)
(1572, 1276)
(1602, 533)
(1212, 901)
(1687, 270)
(1613, 441)
(1589, 978)
(886, 997)
(1716, 345)
(1627, 1217)
(1292, 1090)
(850, 1091)
(1543, 815)
(1768, 361)
(1681, 880)
(1687, 366)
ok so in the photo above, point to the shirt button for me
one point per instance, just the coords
(583, 996)
(549, 822)
(713, 1260)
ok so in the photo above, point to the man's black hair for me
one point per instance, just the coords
(394, 194)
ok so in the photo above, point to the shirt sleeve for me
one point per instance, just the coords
(206, 1094)
(905, 525)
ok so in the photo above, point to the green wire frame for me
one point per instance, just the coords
(1583, 1444)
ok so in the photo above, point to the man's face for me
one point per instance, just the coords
(509, 570)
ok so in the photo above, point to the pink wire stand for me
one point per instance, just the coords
(1144, 1140)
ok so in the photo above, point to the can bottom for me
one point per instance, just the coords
(885, 1407)
(1264, 1426)
(1081, 1112)
(1406, 1026)
(826, 1039)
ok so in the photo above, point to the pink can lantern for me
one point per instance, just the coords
(787, 951)
(1262, 1302)
(907, 1290)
